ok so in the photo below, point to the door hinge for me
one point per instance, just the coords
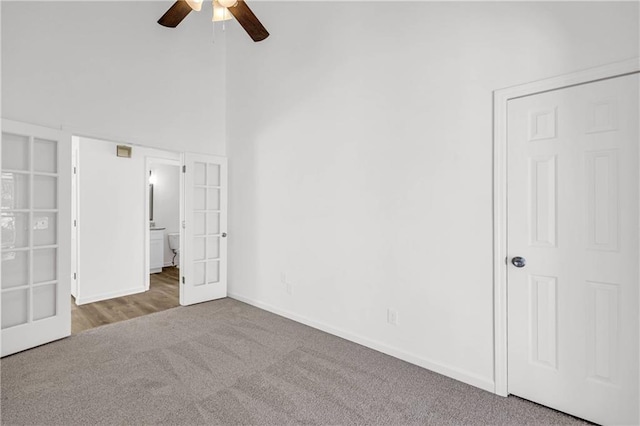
(75, 222)
(74, 170)
(75, 276)
(182, 280)
(184, 168)
(183, 224)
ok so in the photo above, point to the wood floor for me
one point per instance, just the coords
(164, 293)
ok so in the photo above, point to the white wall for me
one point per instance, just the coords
(166, 204)
(112, 219)
(360, 145)
(108, 70)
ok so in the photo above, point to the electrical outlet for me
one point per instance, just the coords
(392, 316)
(285, 279)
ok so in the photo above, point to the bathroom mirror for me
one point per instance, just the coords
(150, 202)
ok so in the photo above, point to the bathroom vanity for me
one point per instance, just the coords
(156, 250)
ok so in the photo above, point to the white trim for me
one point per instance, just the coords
(147, 227)
(455, 373)
(183, 191)
(500, 99)
(109, 295)
(75, 216)
(160, 160)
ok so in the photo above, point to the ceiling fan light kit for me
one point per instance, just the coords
(195, 4)
(222, 10)
(220, 13)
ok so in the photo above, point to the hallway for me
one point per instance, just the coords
(163, 294)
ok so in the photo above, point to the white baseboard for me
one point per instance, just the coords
(454, 373)
(110, 295)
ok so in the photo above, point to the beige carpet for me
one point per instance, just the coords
(225, 362)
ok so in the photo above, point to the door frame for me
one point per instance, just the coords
(500, 250)
(153, 155)
(75, 214)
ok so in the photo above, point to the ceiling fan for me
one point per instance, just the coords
(221, 9)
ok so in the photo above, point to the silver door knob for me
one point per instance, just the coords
(224, 235)
(519, 262)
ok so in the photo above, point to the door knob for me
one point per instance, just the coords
(519, 262)
(224, 235)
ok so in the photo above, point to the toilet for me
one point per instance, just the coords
(174, 245)
(174, 241)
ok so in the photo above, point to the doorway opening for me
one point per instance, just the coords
(126, 234)
(163, 244)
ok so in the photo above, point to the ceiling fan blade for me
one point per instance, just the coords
(249, 21)
(176, 13)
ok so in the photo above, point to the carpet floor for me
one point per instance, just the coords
(225, 362)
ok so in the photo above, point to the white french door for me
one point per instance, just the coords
(573, 236)
(36, 236)
(203, 259)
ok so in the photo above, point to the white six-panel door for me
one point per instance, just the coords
(36, 233)
(573, 216)
(203, 259)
